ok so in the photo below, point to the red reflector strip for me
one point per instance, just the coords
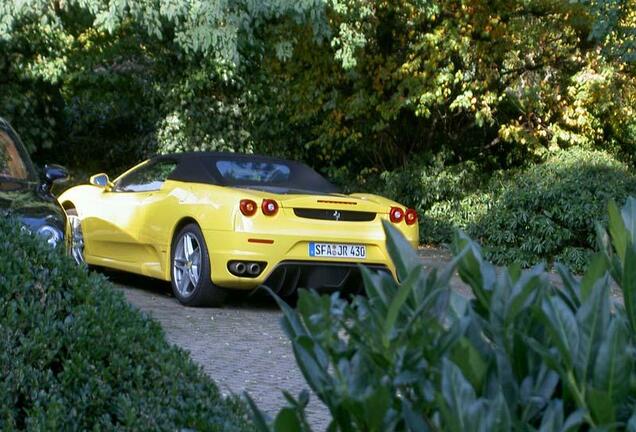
(337, 202)
(264, 241)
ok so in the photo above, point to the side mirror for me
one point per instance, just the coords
(53, 174)
(100, 180)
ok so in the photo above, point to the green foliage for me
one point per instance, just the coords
(549, 211)
(31, 69)
(545, 212)
(497, 82)
(447, 196)
(344, 84)
(116, 80)
(75, 356)
(522, 354)
(614, 23)
(354, 88)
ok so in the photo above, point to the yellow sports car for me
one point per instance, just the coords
(209, 222)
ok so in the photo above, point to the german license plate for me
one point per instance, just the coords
(336, 250)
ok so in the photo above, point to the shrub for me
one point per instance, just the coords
(526, 215)
(75, 356)
(548, 211)
(447, 196)
(523, 354)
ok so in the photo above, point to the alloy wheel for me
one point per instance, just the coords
(186, 265)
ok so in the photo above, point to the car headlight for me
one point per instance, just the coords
(50, 234)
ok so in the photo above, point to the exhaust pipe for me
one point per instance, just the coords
(238, 268)
(254, 269)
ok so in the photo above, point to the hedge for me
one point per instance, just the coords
(75, 356)
(544, 212)
(548, 212)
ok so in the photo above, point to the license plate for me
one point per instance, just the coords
(335, 250)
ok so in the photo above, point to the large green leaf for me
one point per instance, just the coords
(458, 397)
(628, 214)
(415, 422)
(601, 406)
(562, 326)
(291, 320)
(593, 319)
(524, 291)
(613, 368)
(552, 419)
(402, 254)
(537, 391)
(378, 286)
(597, 268)
(574, 421)
(258, 417)
(313, 364)
(479, 275)
(406, 288)
(287, 421)
(377, 407)
(470, 362)
(628, 283)
(571, 288)
(498, 418)
(617, 229)
(631, 423)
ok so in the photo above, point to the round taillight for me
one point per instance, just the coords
(396, 215)
(269, 207)
(248, 207)
(410, 217)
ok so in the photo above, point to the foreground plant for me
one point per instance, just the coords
(75, 356)
(523, 354)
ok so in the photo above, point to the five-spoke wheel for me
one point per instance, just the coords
(191, 277)
(186, 267)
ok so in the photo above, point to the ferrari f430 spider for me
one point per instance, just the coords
(209, 222)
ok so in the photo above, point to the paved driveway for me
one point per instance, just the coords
(241, 346)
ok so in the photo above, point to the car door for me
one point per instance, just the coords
(118, 223)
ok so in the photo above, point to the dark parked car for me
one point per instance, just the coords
(26, 196)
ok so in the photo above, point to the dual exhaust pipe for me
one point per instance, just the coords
(245, 268)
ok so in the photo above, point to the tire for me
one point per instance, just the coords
(76, 250)
(190, 270)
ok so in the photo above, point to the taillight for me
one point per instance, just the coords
(396, 215)
(269, 207)
(410, 217)
(248, 207)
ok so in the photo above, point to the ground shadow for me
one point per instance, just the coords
(259, 299)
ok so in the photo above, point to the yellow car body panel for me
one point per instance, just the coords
(133, 231)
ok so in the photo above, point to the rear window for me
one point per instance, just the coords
(274, 175)
(260, 173)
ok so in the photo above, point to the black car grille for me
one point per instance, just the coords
(335, 215)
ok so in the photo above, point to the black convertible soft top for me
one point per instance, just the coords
(203, 167)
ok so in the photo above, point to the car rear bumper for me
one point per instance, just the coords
(287, 260)
(288, 276)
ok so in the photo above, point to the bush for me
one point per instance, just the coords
(447, 196)
(523, 354)
(543, 212)
(75, 356)
(548, 211)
